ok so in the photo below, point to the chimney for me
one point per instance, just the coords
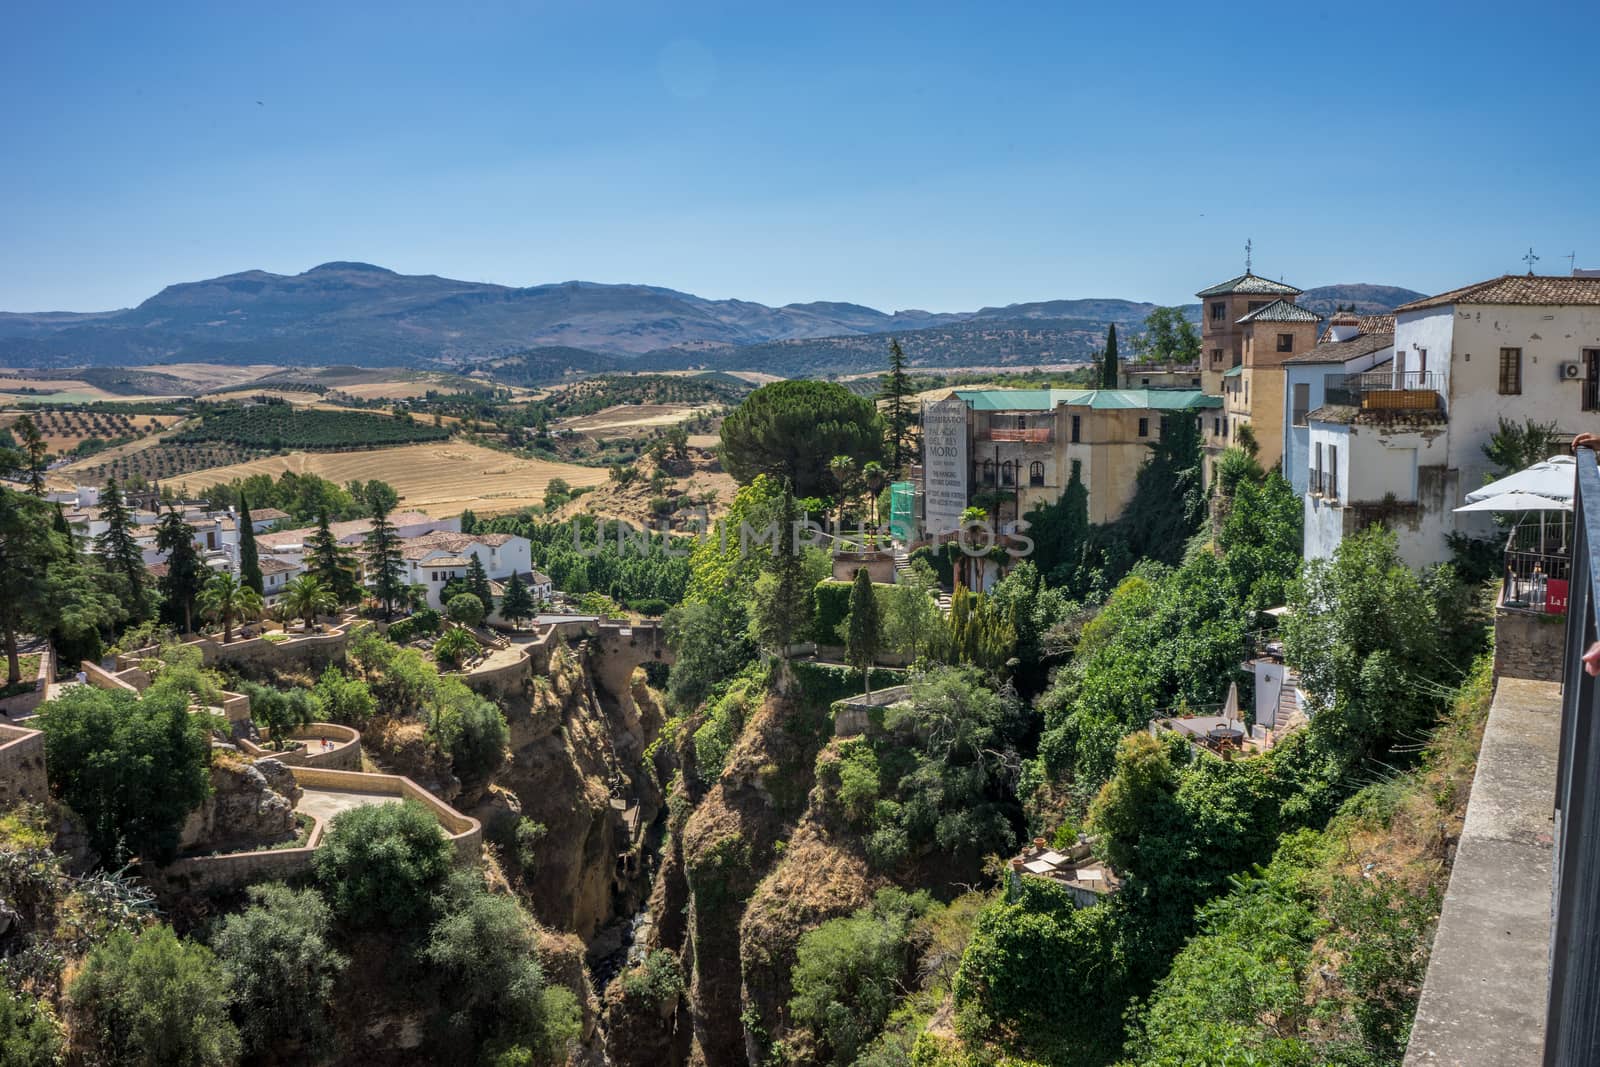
(1345, 326)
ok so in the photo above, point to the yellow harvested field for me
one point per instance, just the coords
(288, 396)
(393, 390)
(620, 418)
(203, 376)
(439, 479)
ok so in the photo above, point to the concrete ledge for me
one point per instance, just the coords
(1483, 1001)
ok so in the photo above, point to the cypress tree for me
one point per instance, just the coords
(478, 583)
(865, 634)
(897, 416)
(33, 444)
(186, 572)
(249, 562)
(120, 551)
(517, 604)
(331, 563)
(1110, 370)
(61, 525)
(385, 566)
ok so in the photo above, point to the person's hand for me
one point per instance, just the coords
(1586, 440)
(1591, 660)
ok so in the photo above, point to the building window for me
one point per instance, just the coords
(1216, 357)
(1591, 379)
(1301, 402)
(1216, 427)
(1144, 427)
(1219, 310)
(1286, 342)
(1008, 474)
(1422, 366)
(988, 472)
(1511, 372)
(1316, 469)
(1162, 427)
(1022, 422)
(1077, 421)
(1247, 390)
(1333, 472)
(1036, 473)
(1144, 381)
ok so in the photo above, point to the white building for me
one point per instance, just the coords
(1404, 447)
(1353, 345)
(435, 559)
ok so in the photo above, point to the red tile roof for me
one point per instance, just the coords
(1539, 290)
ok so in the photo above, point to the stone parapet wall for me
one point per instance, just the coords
(465, 832)
(27, 703)
(344, 756)
(1528, 645)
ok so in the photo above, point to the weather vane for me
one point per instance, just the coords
(1247, 247)
(1530, 259)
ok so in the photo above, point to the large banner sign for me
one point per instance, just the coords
(944, 464)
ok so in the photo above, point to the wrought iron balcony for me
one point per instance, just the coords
(1389, 391)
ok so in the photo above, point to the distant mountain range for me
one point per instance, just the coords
(359, 314)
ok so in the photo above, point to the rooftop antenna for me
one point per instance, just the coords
(1530, 259)
(1572, 262)
(1247, 254)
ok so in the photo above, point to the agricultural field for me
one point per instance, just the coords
(623, 420)
(154, 461)
(65, 431)
(205, 377)
(280, 426)
(439, 478)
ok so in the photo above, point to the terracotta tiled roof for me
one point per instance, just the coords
(268, 514)
(1282, 311)
(1340, 351)
(276, 566)
(1539, 290)
(450, 561)
(1250, 283)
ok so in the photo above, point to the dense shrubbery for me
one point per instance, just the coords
(280, 426)
(277, 956)
(380, 865)
(584, 555)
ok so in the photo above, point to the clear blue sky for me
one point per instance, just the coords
(926, 155)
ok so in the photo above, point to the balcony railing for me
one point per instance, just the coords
(1572, 1032)
(1033, 435)
(1538, 565)
(1389, 391)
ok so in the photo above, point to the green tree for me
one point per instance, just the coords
(132, 768)
(380, 865)
(865, 635)
(1133, 809)
(331, 564)
(44, 586)
(791, 429)
(1168, 505)
(386, 568)
(224, 599)
(780, 608)
(911, 612)
(495, 997)
(153, 1000)
(121, 553)
(29, 1035)
(478, 583)
(305, 598)
(249, 558)
(465, 608)
(1110, 369)
(186, 572)
(279, 711)
(1512, 447)
(849, 972)
(38, 456)
(455, 645)
(517, 603)
(478, 741)
(1365, 637)
(1169, 337)
(897, 408)
(343, 698)
(281, 968)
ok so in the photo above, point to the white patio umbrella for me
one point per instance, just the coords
(1517, 502)
(1554, 478)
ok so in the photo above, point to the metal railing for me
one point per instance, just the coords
(1572, 1031)
(1356, 389)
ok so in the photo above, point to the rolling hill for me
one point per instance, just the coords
(368, 316)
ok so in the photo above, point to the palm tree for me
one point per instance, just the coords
(843, 468)
(456, 645)
(225, 598)
(306, 597)
(874, 473)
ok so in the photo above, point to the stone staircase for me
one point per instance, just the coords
(902, 563)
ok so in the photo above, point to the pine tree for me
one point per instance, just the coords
(783, 602)
(33, 445)
(386, 568)
(332, 565)
(249, 561)
(61, 525)
(517, 604)
(1110, 371)
(186, 572)
(478, 583)
(469, 521)
(897, 415)
(119, 550)
(865, 634)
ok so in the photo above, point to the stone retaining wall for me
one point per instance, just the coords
(1527, 645)
(22, 773)
(344, 756)
(28, 703)
(466, 834)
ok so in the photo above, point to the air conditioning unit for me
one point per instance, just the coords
(1570, 372)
